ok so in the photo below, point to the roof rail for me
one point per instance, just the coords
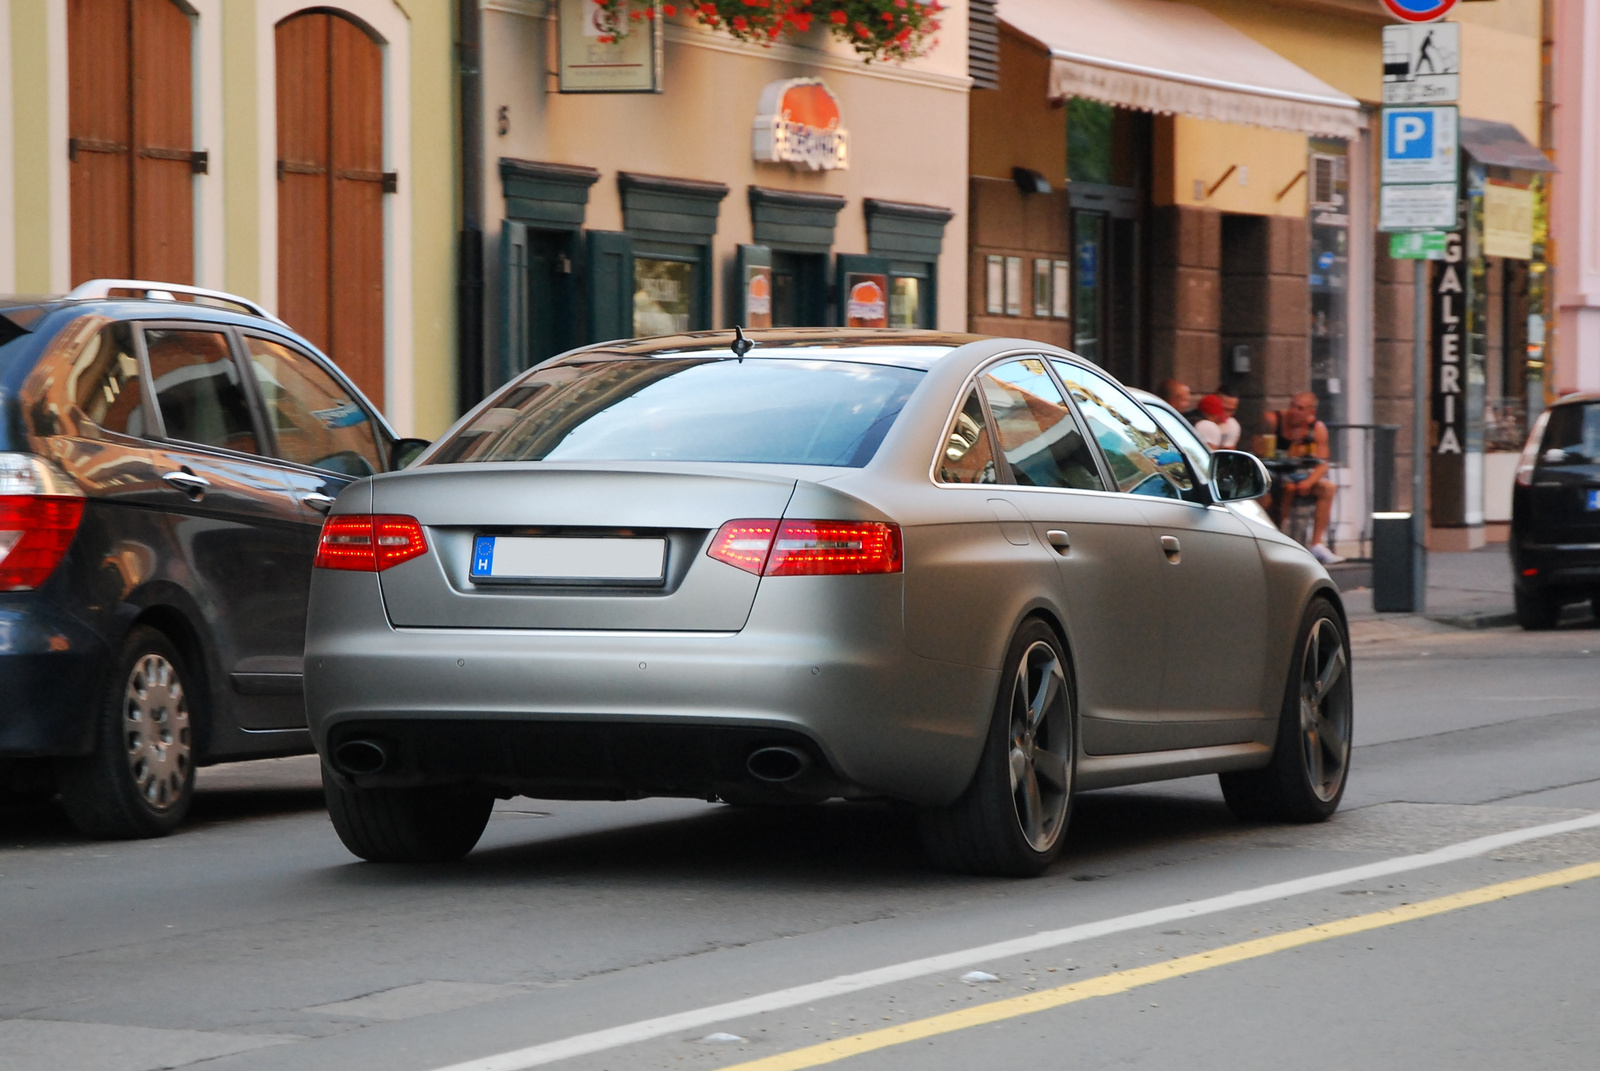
(153, 291)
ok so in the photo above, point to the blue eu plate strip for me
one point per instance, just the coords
(1594, 499)
(483, 556)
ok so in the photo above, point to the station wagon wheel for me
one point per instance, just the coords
(139, 782)
(1311, 756)
(1013, 816)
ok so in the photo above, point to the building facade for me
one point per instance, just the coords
(791, 184)
(298, 154)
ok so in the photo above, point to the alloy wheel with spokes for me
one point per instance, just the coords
(1325, 710)
(155, 725)
(1040, 760)
(1013, 816)
(1310, 764)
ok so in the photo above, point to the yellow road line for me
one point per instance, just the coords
(1122, 981)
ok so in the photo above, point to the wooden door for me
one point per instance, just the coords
(330, 191)
(131, 128)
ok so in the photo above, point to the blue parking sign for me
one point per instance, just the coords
(1419, 145)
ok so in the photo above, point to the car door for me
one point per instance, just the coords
(1213, 586)
(231, 514)
(1108, 567)
(323, 437)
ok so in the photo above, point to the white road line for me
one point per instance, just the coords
(648, 1029)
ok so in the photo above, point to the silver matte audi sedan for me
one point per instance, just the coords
(968, 574)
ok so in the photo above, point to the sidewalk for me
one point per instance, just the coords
(1467, 589)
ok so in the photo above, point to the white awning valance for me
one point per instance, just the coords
(1159, 56)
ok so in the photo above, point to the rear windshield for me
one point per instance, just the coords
(1575, 429)
(778, 412)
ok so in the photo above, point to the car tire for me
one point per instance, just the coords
(139, 781)
(1537, 610)
(1012, 818)
(1311, 756)
(436, 824)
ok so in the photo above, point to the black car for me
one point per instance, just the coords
(166, 458)
(1555, 513)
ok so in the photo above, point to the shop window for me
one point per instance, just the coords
(910, 237)
(655, 277)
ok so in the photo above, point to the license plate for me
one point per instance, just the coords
(1594, 498)
(548, 560)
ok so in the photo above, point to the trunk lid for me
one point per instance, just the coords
(459, 505)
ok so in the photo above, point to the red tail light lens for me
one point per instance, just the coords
(744, 544)
(369, 543)
(809, 548)
(35, 532)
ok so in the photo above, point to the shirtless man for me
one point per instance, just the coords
(1300, 434)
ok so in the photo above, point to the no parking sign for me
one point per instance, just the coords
(1419, 10)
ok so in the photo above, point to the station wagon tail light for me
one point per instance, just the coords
(1530, 451)
(368, 543)
(809, 548)
(40, 509)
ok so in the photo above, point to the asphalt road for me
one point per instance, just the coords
(252, 940)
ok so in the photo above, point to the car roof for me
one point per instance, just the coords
(1579, 398)
(890, 346)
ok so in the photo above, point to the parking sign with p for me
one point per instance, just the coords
(1419, 144)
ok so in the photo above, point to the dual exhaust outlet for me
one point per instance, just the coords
(774, 765)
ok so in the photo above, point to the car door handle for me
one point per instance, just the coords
(1059, 539)
(317, 500)
(1172, 549)
(187, 482)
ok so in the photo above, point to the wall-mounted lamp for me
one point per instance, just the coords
(1029, 181)
(502, 121)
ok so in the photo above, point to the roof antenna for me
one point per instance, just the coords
(741, 345)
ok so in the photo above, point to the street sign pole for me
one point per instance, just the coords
(1419, 439)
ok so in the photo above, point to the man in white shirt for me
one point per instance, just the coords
(1229, 423)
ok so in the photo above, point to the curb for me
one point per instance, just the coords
(1482, 619)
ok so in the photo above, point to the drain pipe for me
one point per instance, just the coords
(469, 248)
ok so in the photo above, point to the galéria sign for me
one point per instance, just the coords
(798, 124)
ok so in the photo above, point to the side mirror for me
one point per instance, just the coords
(403, 452)
(1237, 476)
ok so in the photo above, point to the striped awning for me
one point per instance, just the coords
(1171, 58)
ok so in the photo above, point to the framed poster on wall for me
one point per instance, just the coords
(599, 53)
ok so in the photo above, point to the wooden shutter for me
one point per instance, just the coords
(330, 191)
(163, 170)
(983, 44)
(610, 285)
(131, 148)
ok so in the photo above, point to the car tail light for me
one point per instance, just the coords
(369, 543)
(1530, 451)
(809, 548)
(40, 509)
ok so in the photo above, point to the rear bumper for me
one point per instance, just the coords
(564, 714)
(1558, 565)
(51, 666)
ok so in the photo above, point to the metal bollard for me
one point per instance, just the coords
(1394, 586)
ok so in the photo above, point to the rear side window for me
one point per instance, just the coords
(199, 390)
(1574, 430)
(967, 454)
(104, 382)
(314, 419)
(1038, 434)
(767, 411)
(1143, 460)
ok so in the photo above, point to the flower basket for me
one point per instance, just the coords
(877, 29)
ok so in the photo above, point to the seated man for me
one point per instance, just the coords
(1297, 433)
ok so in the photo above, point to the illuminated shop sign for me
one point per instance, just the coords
(798, 123)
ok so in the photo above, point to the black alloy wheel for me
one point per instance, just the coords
(1311, 756)
(1012, 819)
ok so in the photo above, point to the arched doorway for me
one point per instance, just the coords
(130, 123)
(330, 190)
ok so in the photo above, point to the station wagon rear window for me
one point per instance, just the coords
(766, 411)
